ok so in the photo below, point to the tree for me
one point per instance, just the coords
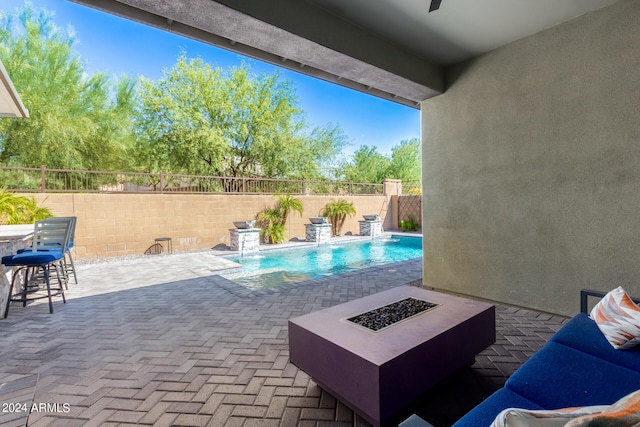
(368, 165)
(75, 121)
(406, 161)
(202, 120)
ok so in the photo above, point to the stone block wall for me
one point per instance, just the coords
(320, 233)
(245, 241)
(127, 224)
(371, 228)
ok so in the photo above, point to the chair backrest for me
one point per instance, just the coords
(53, 232)
(72, 230)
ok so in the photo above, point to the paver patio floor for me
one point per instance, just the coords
(165, 341)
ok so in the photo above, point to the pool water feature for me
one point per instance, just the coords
(278, 267)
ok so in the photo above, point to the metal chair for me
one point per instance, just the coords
(69, 267)
(50, 243)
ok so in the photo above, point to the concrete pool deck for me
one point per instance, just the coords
(166, 342)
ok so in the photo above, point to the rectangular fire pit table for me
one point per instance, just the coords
(379, 373)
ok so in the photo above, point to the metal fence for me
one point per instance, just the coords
(412, 187)
(46, 180)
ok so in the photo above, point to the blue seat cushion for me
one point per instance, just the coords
(583, 334)
(559, 376)
(40, 249)
(32, 258)
(486, 412)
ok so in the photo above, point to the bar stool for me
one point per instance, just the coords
(165, 239)
(46, 245)
(46, 233)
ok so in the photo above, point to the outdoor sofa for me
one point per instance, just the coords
(577, 367)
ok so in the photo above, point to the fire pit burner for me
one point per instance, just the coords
(390, 314)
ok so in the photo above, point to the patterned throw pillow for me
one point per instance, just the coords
(624, 413)
(618, 317)
(514, 417)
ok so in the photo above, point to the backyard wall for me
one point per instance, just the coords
(126, 224)
(531, 170)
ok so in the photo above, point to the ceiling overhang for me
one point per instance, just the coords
(10, 102)
(293, 34)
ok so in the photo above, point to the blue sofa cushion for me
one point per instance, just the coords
(32, 258)
(486, 412)
(583, 334)
(559, 376)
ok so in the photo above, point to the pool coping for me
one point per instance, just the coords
(289, 246)
(334, 240)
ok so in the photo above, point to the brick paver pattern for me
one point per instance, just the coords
(157, 344)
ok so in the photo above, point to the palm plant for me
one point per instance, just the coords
(16, 209)
(273, 220)
(272, 230)
(287, 203)
(337, 211)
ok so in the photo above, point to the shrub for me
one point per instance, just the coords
(410, 224)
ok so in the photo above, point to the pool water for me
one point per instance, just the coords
(275, 268)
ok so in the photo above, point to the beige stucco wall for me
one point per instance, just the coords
(531, 170)
(125, 224)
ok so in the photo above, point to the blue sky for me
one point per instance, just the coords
(115, 45)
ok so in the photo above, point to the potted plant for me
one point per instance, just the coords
(337, 211)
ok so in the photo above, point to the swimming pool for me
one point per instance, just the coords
(278, 267)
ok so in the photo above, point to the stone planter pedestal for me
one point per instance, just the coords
(320, 233)
(371, 228)
(245, 240)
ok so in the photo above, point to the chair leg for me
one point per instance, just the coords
(46, 281)
(13, 279)
(64, 300)
(25, 285)
(73, 267)
(64, 271)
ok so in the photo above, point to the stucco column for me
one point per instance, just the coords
(392, 188)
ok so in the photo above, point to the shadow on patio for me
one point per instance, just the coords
(205, 351)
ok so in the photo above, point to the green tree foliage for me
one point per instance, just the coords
(406, 161)
(368, 165)
(75, 121)
(203, 120)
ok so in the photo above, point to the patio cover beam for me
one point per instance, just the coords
(10, 103)
(296, 35)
